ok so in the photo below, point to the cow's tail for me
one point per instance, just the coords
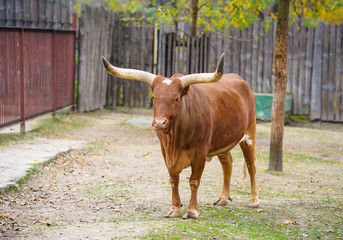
(244, 174)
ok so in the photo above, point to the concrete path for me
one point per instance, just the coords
(17, 159)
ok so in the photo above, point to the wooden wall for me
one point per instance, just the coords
(314, 61)
(315, 70)
(45, 14)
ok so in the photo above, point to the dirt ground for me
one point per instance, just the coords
(118, 187)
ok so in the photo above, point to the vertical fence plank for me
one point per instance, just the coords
(325, 85)
(236, 50)
(315, 111)
(57, 14)
(41, 13)
(18, 13)
(34, 13)
(3, 12)
(49, 11)
(290, 59)
(10, 12)
(254, 61)
(248, 56)
(295, 67)
(243, 53)
(308, 68)
(259, 87)
(338, 76)
(27, 13)
(126, 65)
(267, 61)
(331, 74)
(301, 83)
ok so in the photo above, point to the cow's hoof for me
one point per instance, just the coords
(222, 202)
(173, 213)
(254, 203)
(191, 213)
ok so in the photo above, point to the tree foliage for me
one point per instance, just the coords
(219, 15)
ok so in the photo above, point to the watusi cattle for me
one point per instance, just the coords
(196, 117)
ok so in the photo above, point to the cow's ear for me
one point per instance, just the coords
(184, 91)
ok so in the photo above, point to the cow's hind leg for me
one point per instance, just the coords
(248, 147)
(226, 162)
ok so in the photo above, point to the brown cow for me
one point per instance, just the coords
(197, 117)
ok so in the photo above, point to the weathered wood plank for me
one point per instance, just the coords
(295, 68)
(126, 57)
(57, 14)
(331, 73)
(2, 12)
(254, 62)
(248, 56)
(49, 13)
(242, 67)
(41, 13)
(301, 83)
(259, 86)
(27, 13)
(315, 110)
(236, 50)
(267, 61)
(338, 76)
(34, 13)
(308, 68)
(290, 58)
(18, 13)
(325, 84)
(10, 12)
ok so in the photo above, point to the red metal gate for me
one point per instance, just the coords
(36, 72)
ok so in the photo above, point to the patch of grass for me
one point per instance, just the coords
(300, 117)
(245, 223)
(16, 137)
(49, 127)
(296, 157)
(60, 124)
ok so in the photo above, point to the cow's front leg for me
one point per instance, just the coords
(194, 181)
(175, 210)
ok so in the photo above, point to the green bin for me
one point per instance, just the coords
(264, 103)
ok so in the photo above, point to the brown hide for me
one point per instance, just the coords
(205, 120)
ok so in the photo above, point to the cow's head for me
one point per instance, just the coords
(167, 93)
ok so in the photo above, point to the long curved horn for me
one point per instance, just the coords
(127, 73)
(205, 77)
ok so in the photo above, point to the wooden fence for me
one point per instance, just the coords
(103, 33)
(314, 61)
(51, 14)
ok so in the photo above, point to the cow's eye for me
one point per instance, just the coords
(177, 99)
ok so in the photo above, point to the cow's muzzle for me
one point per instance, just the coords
(160, 124)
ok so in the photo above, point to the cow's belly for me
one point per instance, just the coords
(216, 151)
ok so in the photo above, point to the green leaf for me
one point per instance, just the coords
(150, 10)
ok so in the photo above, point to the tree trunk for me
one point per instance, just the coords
(280, 82)
(194, 17)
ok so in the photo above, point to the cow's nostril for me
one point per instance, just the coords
(164, 122)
